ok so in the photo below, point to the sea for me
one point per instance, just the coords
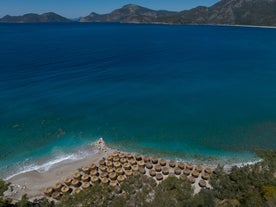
(195, 93)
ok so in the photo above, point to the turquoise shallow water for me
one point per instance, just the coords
(187, 92)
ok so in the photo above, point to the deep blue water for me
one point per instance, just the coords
(186, 92)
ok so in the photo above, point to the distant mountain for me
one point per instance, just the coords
(31, 18)
(130, 13)
(233, 12)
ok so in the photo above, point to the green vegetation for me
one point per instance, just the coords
(253, 185)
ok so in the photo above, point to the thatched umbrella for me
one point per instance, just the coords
(172, 164)
(159, 176)
(142, 170)
(85, 169)
(85, 185)
(113, 183)
(102, 162)
(115, 154)
(105, 180)
(191, 179)
(109, 158)
(112, 176)
(77, 191)
(110, 170)
(117, 164)
(77, 176)
(48, 191)
(205, 176)
(66, 189)
(199, 168)
(126, 166)
(195, 174)
(208, 170)
(187, 172)
(163, 162)
(157, 168)
(177, 171)
(116, 159)
(119, 171)
(189, 166)
(165, 171)
(132, 161)
(128, 172)
(181, 165)
(104, 175)
(146, 159)
(134, 167)
(149, 165)
(94, 172)
(67, 181)
(152, 173)
(141, 163)
(122, 155)
(94, 179)
(93, 166)
(138, 157)
(56, 195)
(102, 168)
(202, 183)
(57, 187)
(154, 160)
(75, 183)
(123, 160)
(129, 156)
(182, 177)
(120, 178)
(85, 178)
(109, 164)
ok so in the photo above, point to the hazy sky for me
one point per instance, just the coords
(77, 8)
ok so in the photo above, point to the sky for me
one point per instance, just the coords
(78, 8)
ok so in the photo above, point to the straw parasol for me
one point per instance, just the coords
(126, 166)
(205, 176)
(195, 174)
(113, 183)
(187, 172)
(56, 195)
(48, 191)
(149, 165)
(142, 170)
(102, 168)
(154, 160)
(66, 189)
(116, 159)
(159, 176)
(85, 178)
(152, 173)
(132, 161)
(163, 162)
(157, 168)
(165, 171)
(141, 163)
(115, 154)
(85, 169)
(109, 170)
(77, 176)
(128, 172)
(122, 155)
(146, 159)
(109, 164)
(202, 183)
(172, 164)
(117, 164)
(134, 167)
(181, 165)
(94, 172)
(101, 162)
(93, 166)
(177, 171)
(119, 171)
(123, 160)
(138, 157)
(189, 166)
(182, 177)
(109, 158)
(85, 185)
(75, 183)
(104, 175)
(191, 179)
(199, 168)
(112, 176)
(208, 170)
(57, 187)
(94, 179)
(67, 181)
(129, 156)
(77, 191)
(105, 180)
(120, 178)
